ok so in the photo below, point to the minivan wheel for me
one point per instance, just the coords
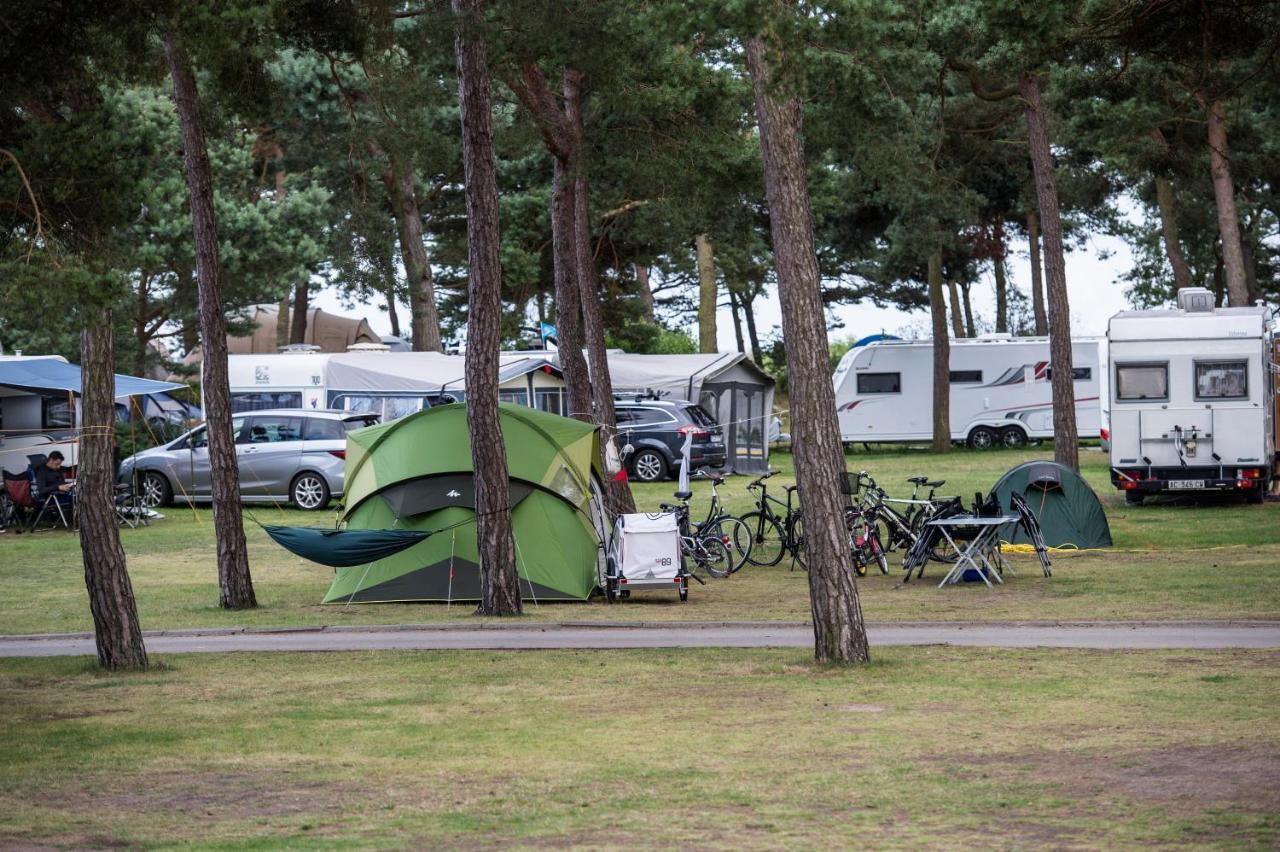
(982, 438)
(156, 490)
(1013, 438)
(649, 466)
(309, 491)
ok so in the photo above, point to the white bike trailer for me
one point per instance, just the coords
(644, 553)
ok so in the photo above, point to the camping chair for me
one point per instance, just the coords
(128, 502)
(1031, 526)
(55, 505)
(16, 503)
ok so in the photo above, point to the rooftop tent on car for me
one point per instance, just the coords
(415, 474)
(1068, 510)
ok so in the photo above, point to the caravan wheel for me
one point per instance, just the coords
(1013, 438)
(982, 438)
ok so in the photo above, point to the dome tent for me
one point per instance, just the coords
(1068, 510)
(415, 474)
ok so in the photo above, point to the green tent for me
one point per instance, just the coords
(415, 474)
(1069, 511)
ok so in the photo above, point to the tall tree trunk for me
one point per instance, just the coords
(737, 320)
(284, 322)
(1219, 281)
(748, 308)
(1065, 438)
(392, 314)
(646, 292)
(1002, 279)
(941, 357)
(1250, 264)
(970, 328)
(116, 630)
(142, 339)
(301, 312)
(707, 292)
(235, 585)
(1037, 279)
(957, 323)
(1224, 195)
(424, 318)
(499, 576)
(838, 630)
(618, 490)
(1169, 230)
(569, 340)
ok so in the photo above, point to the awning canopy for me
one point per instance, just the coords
(38, 375)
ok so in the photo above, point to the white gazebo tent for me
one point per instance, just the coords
(729, 385)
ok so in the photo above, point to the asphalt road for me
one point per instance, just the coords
(1137, 636)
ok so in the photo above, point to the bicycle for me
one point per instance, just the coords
(902, 529)
(773, 534)
(720, 523)
(709, 552)
(864, 541)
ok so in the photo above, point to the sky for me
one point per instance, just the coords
(1092, 290)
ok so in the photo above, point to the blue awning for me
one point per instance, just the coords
(40, 375)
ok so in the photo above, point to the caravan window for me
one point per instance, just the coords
(1222, 380)
(1078, 374)
(879, 383)
(519, 397)
(1142, 381)
(548, 399)
(960, 377)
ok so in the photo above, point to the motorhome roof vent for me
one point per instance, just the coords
(298, 349)
(368, 347)
(1195, 300)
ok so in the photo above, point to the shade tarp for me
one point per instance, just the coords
(1070, 514)
(343, 548)
(413, 372)
(415, 474)
(53, 374)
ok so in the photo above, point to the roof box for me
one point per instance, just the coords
(1196, 300)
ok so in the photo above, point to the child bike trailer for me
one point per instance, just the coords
(644, 553)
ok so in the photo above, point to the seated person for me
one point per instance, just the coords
(52, 479)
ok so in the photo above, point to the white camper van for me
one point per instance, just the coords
(1192, 399)
(1000, 390)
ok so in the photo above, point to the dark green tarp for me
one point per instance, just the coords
(344, 548)
(1068, 510)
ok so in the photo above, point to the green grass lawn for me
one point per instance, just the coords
(1218, 559)
(926, 747)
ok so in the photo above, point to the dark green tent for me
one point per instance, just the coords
(1069, 511)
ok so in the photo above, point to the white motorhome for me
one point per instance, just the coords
(1192, 399)
(1000, 390)
(390, 384)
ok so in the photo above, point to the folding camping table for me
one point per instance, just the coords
(981, 552)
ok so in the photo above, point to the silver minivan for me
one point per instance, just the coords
(284, 456)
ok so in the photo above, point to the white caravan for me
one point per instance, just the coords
(1192, 399)
(1000, 390)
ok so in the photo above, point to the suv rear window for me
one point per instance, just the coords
(699, 416)
(359, 423)
(317, 429)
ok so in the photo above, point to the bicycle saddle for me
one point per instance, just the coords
(683, 495)
(918, 480)
(937, 483)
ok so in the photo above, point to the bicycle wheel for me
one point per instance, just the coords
(735, 534)
(766, 539)
(712, 555)
(875, 551)
(795, 540)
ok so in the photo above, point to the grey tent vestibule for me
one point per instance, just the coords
(729, 385)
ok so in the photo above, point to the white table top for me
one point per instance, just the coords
(973, 521)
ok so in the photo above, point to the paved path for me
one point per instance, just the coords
(656, 635)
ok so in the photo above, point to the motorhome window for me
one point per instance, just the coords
(261, 401)
(519, 397)
(960, 377)
(1142, 381)
(56, 413)
(1078, 374)
(1222, 380)
(879, 383)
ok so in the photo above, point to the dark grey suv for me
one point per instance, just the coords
(656, 430)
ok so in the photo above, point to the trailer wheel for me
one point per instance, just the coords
(1133, 498)
(982, 438)
(1013, 438)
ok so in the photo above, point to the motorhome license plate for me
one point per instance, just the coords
(1187, 484)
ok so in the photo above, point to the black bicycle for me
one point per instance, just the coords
(774, 534)
(708, 551)
(900, 530)
(729, 528)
